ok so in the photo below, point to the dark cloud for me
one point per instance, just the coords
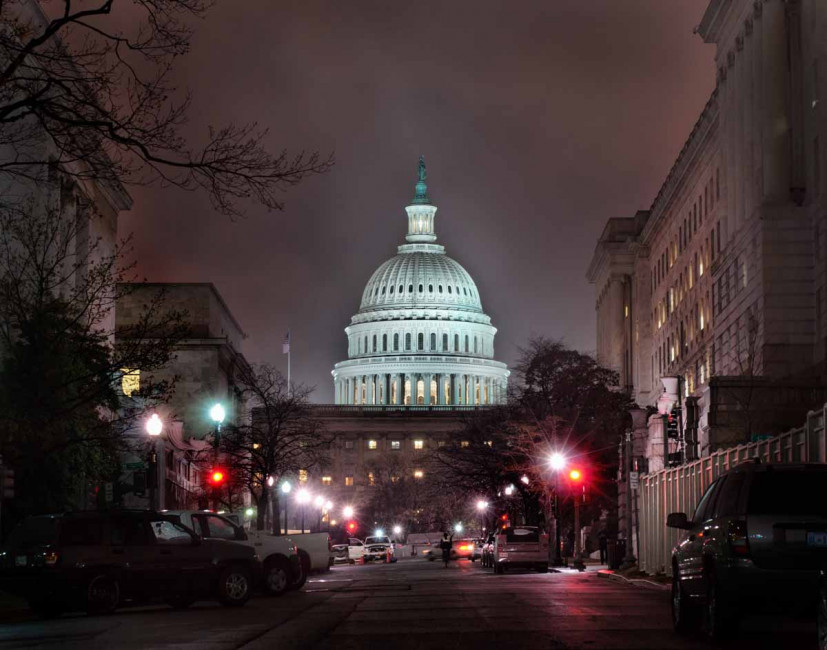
(538, 120)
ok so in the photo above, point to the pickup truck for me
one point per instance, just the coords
(315, 550)
(283, 568)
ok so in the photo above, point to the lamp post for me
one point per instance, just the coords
(319, 503)
(303, 497)
(557, 462)
(285, 490)
(154, 426)
(482, 505)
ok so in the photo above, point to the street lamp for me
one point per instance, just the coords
(270, 481)
(482, 505)
(285, 490)
(154, 425)
(217, 414)
(457, 528)
(524, 479)
(319, 503)
(303, 498)
(347, 512)
(397, 530)
(557, 462)
(509, 490)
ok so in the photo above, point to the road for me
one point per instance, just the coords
(410, 604)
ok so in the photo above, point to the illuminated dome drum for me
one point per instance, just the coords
(420, 335)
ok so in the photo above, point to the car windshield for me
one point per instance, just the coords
(377, 540)
(522, 534)
(792, 491)
(34, 531)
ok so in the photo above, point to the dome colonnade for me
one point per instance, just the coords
(420, 336)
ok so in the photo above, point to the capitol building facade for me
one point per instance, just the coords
(420, 336)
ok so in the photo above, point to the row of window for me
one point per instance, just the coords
(369, 344)
(449, 289)
(702, 206)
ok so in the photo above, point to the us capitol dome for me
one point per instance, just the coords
(420, 336)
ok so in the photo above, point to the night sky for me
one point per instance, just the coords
(538, 120)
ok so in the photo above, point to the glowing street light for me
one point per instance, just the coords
(575, 475)
(270, 481)
(154, 425)
(509, 490)
(457, 528)
(557, 461)
(249, 512)
(379, 533)
(318, 501)
(347, 512)
(328, 505)
(482, 505)
(397, 530)
(303, 497)
(217, 414)
(286, 487)
(524, 479)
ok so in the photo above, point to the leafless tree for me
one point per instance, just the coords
(86, 87)
(278, 438)
(62, 410)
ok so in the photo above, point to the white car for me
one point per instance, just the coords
(521, 546)
(315, 550)
(379, 548)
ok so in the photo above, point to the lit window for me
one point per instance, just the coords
(395, 444)
(440, 443)
(327, 480)
(371, 478)
(394, 479)
(348, 481)
(130, 381)
(419, 444)
(418, 473)
(372, 444)
(302, 476)
(348, 444)
(490, 443)
(626, 311)
(464, 444)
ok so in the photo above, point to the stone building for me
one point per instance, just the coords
(206, 365)
(420, 335)
(718, 288)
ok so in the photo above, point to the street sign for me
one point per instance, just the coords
(137, 465)
(634, 479)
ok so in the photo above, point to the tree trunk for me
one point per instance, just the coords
(261, 511)
(276, 515)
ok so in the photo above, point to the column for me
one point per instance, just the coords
(440, 389)
(427, 381)
(776, 140)
(348, 392)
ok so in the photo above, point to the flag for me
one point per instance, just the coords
(285, 346)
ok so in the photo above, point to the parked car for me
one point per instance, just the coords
(355, 550)
(379, 548)
(757, 540)
(279, 555)
(488, 551)
(477, 554)
(340, 553)
(96, 561)
(520, 547)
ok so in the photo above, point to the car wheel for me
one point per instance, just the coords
(298, 583)
(822, 617)
(542, 568)
(46, 608)
(684, 614)
(276, 576)
(103, 593)
(234, 586)
(180, 601)
(720, 622)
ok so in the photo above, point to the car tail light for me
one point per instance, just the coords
(50, 559)
(737, 538)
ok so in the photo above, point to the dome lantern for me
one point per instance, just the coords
(421, 213)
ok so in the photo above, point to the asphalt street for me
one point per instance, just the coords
(410, 604)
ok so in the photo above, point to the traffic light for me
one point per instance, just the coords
(6, 483)
(217, 477)
(351, 527)
(672, 422)
(575, 475)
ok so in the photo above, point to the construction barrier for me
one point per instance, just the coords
(679, 489)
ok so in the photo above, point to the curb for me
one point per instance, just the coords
(639, 582)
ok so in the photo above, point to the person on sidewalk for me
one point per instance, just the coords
(602, 541)
(445, 545)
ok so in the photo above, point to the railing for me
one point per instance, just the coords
(679, 489)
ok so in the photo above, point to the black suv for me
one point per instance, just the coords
(99, 560)
(757, 541)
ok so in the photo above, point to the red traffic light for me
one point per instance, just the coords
(217, 477)
(504, 517)
(351, 527)
(575, 475)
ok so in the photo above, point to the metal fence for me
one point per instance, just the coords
(679, 489)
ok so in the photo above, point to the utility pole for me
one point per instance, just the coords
(629, 559)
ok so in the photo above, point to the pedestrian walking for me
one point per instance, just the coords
(602, 541)
(446, 544)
